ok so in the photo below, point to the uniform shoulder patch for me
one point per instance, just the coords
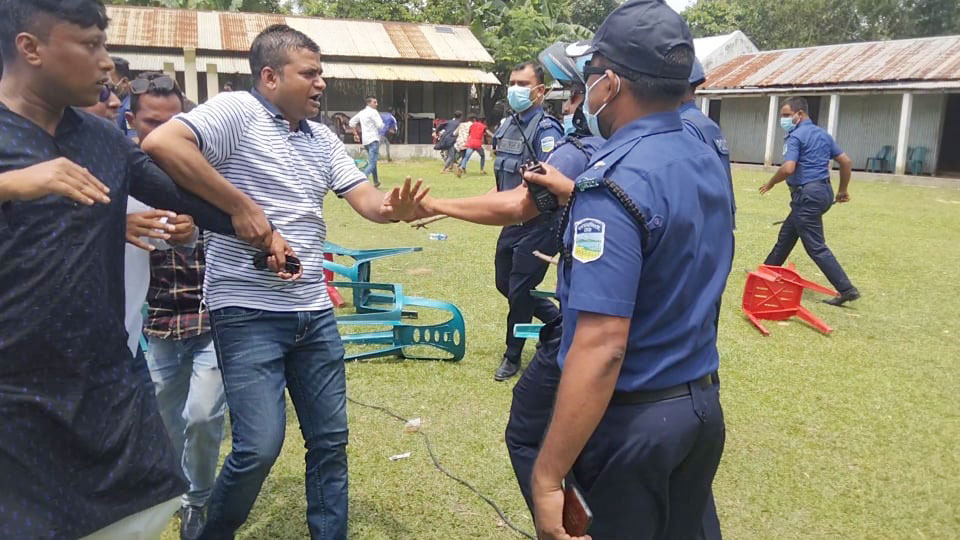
(721, 144)
(588, 239)
(547, 144)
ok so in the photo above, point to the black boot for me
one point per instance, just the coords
(192, 520)
(841, 299)
(508, 368)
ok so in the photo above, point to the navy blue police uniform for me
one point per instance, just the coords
(517, 270)
(811, 196)
(534, 393)
(648, 236)
(703, 128)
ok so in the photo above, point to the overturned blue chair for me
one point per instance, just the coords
(364, 300)
(532, 330)
(389, 309)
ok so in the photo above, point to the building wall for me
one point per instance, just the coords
(744, 124)
(866, 124)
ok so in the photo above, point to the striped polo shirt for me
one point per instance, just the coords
(287, 173)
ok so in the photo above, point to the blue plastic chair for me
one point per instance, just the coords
(360, 270)
(449, 336)
(881, 160)
(532, 330)
(915, 159)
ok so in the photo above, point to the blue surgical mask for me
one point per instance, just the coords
(568, 126)
(519, 98)
(592, 118)
(787, 124)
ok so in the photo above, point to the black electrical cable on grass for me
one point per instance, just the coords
(436, 463)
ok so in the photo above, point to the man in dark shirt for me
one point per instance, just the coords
(82, 444)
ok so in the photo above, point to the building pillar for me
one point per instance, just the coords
(190, 74)
(834, 115)
(773, 119)
(903, 137)
(705, 105)
(406, 113)
(213, 81)
(169, 70)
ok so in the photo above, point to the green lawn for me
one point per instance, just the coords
(851, 435)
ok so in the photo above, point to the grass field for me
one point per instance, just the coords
(852, 435)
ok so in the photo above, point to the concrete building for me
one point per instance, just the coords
(902, 94)
(423, 71)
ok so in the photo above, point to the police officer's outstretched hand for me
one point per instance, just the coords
(843, 196)
(766, 187)
(554, 180)
(403, 204)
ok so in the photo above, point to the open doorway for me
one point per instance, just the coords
(949, 162)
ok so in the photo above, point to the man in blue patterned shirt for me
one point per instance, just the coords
(82, 445)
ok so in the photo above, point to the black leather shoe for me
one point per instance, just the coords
(508, 368)
(192, 520)
(839, 300)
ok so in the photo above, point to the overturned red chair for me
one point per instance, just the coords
(774, 293)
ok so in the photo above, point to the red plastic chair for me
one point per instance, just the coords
(774, 293)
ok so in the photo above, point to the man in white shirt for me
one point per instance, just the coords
(272, 333)
(370, 124)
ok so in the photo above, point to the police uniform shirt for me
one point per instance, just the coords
(570, 159)
(511, 153)
(702, 127)
(668, 281)
(812, 148)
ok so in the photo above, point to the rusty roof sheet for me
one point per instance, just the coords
(908, 60)
(145, 27)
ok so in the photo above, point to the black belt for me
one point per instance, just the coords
(651, 396)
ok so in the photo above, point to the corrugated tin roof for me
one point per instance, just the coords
(147, 61)
(234, 32)
(875, 63)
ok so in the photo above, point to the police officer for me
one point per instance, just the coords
(807, 150)
(648, 244)
(534, 393)
(518, 271)
(702, 127)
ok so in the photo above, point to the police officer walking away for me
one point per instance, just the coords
(702, 127)
(518, 271)
(648, 245)
(807, 151)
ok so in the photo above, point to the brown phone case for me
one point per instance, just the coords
(576, 514)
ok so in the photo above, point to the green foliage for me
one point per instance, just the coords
(381, 10)
(777, 24)
(263, 6)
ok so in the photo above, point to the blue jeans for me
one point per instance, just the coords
(469, 152)
(260, 353)
(189, 391)
(373, 152)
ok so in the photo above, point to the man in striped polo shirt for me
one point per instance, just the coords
(269, 332)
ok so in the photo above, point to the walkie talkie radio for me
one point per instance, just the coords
(542, 197)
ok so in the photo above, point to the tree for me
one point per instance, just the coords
(590, 13)
(380, 10)
(263, 6)
(777, 24)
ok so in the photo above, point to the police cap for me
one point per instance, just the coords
(638, 36)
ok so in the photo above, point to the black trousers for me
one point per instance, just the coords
(808, 204)
(518, 271)
(642, 476)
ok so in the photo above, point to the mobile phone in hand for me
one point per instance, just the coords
(577, 516)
